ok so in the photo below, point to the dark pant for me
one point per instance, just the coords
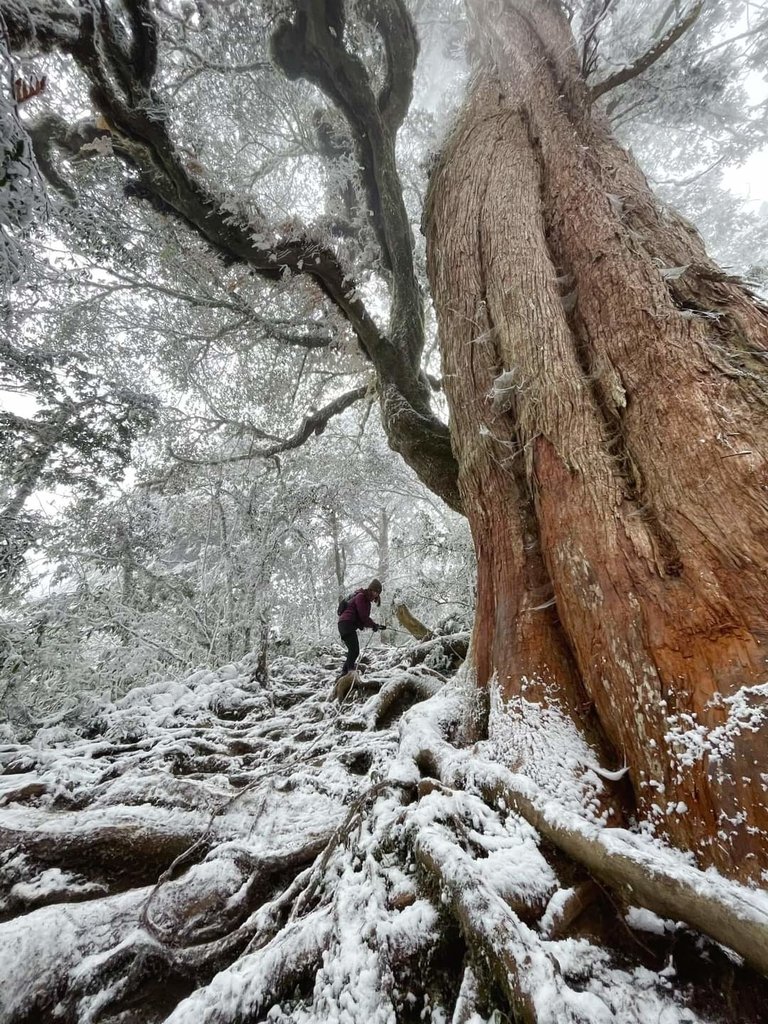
(350, 641)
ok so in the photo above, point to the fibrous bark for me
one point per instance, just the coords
(608, 389)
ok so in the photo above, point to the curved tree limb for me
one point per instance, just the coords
(51, 131)
(649, 58)
(311, 46)
(313, 423)
(140, 135)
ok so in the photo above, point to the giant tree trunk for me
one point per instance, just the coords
(607, 387)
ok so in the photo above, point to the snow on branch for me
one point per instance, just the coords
(23, 201)
(312, 46)
(121, 80)
(313, 423)
(104, 42)
(649, 58)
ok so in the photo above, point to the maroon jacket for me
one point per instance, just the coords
(357, 614)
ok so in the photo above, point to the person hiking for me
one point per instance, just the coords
(354, 614)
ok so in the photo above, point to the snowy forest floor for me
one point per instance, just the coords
(220, 851)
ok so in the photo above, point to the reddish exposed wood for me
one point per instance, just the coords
(25, 89)
(606, 475)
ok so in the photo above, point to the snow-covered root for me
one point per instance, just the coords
(353, 932)
(182, 931)
(257, 981)
(46, 952)
(640, 870)
(443, 652)
(354, 862)
(125, 847)
(397, 695)
(647, 874)
(540, 980)
(524, 971)
(225, 803)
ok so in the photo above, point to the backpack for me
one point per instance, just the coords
(344, 603)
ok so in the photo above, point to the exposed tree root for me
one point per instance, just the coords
(395, 697)
(258, 980)
(448, 652)
(393, 874)
(131, 849)
(514, 954)
(651, 876)
(34, 980)
(410, 622)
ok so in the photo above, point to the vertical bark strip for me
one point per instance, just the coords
(609, 419)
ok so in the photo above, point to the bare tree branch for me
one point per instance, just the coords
(140, 136)
(311, 46)
(683, 182)
(650, 57)
(402, 50)
(590, 43)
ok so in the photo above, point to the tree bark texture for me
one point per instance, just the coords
(607, 387)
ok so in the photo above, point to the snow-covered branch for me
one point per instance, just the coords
(650, 57)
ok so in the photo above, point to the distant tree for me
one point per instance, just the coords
(78, 435)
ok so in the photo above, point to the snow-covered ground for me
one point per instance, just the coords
(216, 851)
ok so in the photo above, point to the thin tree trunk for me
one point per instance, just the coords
(12, 548)
(383, 569)
(339, 553)
(609, 419)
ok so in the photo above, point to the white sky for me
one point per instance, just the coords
(751, 179)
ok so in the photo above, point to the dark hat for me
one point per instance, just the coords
(375, 586)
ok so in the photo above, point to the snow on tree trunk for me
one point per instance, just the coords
(607, 389)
